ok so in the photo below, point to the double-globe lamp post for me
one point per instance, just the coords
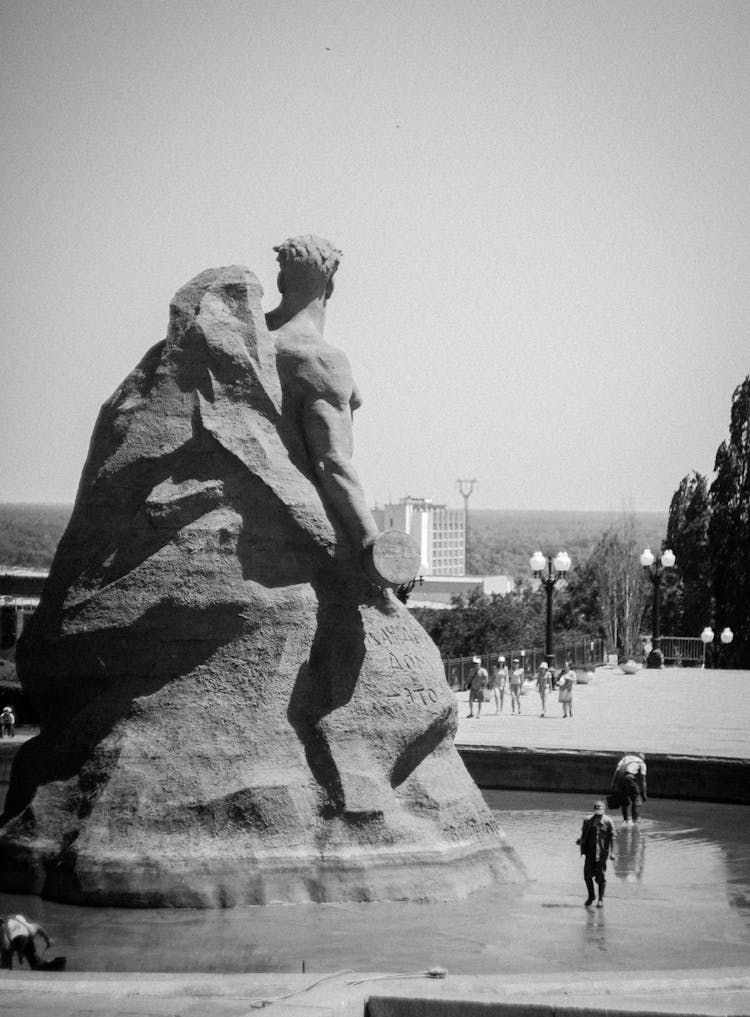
(707, 636)
(556, 569)
(654, 572)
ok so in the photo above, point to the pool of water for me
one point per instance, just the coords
(678, 896)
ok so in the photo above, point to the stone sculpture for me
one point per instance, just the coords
(232, 711)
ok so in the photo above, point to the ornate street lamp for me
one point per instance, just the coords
(707, 636)
(653, 569)
(557, 569)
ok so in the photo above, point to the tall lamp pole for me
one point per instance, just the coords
(707, 636)
(466, 495)
(556, 569)
(653, 568)
(726, 637)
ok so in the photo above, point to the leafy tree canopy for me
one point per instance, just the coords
(709, 531)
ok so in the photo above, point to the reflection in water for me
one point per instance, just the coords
(595, 930)
(630, 853)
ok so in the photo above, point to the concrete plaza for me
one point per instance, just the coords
(679, 711)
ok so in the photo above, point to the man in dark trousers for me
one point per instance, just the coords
(596, 847)
(477, 683)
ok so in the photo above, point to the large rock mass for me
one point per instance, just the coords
(231, 713)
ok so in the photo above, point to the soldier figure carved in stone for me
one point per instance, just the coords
(318, 391)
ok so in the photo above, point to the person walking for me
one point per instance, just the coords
(7, 723)
(489, 692)
(595, 842)
(629, 785)
(17, 937)
(501, 684)
(516, 684)
(477, 683)
(565, 683)
(543, 684)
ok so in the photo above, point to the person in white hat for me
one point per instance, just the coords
(477, 683)
(516, 684)
(543, 684)
(501, 684)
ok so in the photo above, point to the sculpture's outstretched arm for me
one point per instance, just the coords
(327, 427)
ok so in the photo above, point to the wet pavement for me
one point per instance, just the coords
(678, 896)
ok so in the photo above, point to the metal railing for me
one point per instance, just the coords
(681, 651)
(582, 655)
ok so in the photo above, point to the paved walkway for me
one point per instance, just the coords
(344, 994)
(679, 711)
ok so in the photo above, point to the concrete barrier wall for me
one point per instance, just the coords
(707, 779)
(703, 779)
(391, 1006)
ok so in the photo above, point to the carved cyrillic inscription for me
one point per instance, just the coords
(420, 694)
(474, 829)
(413, 662)
(408, 696)
(390, 635)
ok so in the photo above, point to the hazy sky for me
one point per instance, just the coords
(543, 207)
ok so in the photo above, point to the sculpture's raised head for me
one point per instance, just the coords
(309, 257)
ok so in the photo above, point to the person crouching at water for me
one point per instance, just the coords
(17, 937)
(595, 843)
(629, 785)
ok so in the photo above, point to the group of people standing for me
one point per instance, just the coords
(502, 680)
(498, 683)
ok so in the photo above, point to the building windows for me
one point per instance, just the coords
(439, 532)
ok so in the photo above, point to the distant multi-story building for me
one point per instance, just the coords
(20, 590)
(439, 532)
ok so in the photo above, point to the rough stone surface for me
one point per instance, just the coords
(230, 711)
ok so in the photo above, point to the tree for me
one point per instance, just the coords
(577, 605)
(479, 624)
(729, 528)
(604, 595)
(687, 601)
(622, 588)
